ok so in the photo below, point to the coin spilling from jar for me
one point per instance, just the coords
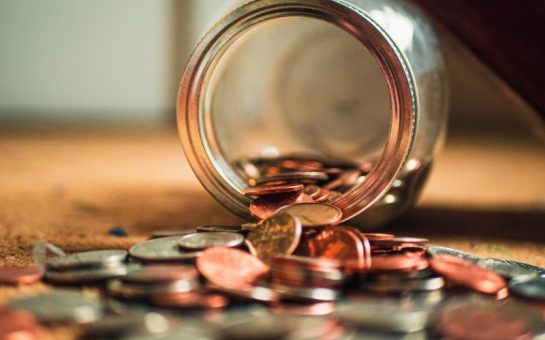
(295, 274)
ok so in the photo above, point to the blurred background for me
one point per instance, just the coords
(121, 62)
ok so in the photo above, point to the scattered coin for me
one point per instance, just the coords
(20, 275)
(230, 268)
(438, 250)
(61, 306)
(191, 301)
(378, 236)
(277, 235)
(18, 324)
(405, 285)
(532, 287)
(223, 228)
(160, 273)
(466, 273)
(170, 233)
(314, 214)
(88, 259)
(85, 275)
(398, 263)
(306, 294)
(161, 250)
(509, 269)
(199, 241)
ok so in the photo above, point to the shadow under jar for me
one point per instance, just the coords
(350, 84)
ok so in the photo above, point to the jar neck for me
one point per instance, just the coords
(194, 121)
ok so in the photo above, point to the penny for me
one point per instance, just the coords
(191, 301)
(307, 272)
(532, 287)
(277, 235)
(88, 259)
(398, 263)
(291, 176)
(301, 165)
(468, 274)
(265, 206)
(256, 293)
(438, 250)
(161, 249)
(399, 243)
(18, 324)
(273, 189)
(222, 228)
(198, 241)
(230, 268)
(343, 244)
(314, 214)
(20, 275)
(60, 306)
(346, 178)
(85, 275)
(158, 273)
(312, 190)
(314, 309)
(509, 269)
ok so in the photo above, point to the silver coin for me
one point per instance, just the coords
(85, 275)
(532, 287)
(510, 269)
(161, 249)
(401, 286)
(314, 214)
(256, 293)
(269, 327)
(61, 306)
(292, 176)
(307, 294)
(222, 228)
(88, 259)
(438, 250)
(129, 290)
(383, 314)
(198, 241)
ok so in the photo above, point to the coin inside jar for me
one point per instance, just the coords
(273, 189)
(198, 241)
(314, 214)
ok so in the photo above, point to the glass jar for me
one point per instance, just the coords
(350, 81)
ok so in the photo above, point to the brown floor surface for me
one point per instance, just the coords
(486, 194)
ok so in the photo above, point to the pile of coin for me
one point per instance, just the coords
(295, 274)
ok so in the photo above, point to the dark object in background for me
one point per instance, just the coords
(507, 35)
(118, 231)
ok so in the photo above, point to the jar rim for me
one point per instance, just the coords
(218, 177)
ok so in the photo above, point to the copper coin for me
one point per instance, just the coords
(312, 190)
(338, 243)
(345, 179)
(314, 214)
(273, 189)
(475, 322)
(18, 324)
(301, 165)
(378, 236)
(20, 275)
(190, 300)
(277, 235)
(468, 274)
(398, 243)
(161, 273)
(398, 263)
(266, 206)
(314, 309)
(230, 268)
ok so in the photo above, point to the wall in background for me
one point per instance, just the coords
(100, 60)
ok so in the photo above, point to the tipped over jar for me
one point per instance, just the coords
(344, 99)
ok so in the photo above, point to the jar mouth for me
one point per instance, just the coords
(194, 119)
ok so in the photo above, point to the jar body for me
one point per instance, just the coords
(359, 80)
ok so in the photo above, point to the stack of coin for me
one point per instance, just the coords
(89, 266)
(155, 281)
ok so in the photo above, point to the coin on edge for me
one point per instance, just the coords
(230, 268)
(532, 287)
(199, 241)
(277, 235)
(314, 214)
(86, 259)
